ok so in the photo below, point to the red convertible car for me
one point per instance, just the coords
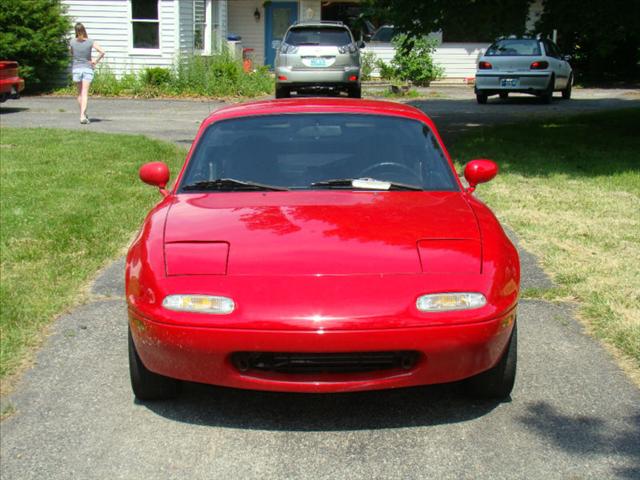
(321, 245)
(10, 83)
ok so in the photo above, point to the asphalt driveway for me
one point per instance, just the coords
(573, 413)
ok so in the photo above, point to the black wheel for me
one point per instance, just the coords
(481, 98)
(566, 93)
(355, 92)
(282, 92)
(504, 95)
(497, 382)
(547, 95)
(147, 385)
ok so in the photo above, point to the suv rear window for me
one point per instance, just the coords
(515, 47)
(323, 36)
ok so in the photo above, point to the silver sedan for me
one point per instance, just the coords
(523, 65)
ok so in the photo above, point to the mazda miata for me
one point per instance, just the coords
(321, 245)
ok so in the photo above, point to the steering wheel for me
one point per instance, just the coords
(389, 166)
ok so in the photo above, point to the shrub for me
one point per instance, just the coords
(413, 59)
(367, 64)
(34, 33)
(157, 76)
(387, 71)
(211, 76)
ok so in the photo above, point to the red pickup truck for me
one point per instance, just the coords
(10, 83)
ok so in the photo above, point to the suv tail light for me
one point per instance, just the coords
(485, 66)
(351, 48)
(286, 48)
(537, 65)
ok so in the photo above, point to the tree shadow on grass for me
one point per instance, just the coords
(408, 407)
(586, 436)
(591, 145)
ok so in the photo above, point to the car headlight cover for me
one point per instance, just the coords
(444, 302)
(199, 304)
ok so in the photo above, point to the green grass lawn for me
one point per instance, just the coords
(571, 190)
(70, 202)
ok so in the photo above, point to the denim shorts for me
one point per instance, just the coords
(80, 74)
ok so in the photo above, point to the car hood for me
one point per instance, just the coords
(324, 232)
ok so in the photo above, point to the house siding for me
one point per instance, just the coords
(241, 22)
(108, 22)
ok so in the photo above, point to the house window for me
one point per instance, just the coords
(199, 24)
(145, 24)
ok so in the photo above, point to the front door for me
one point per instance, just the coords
(279, 16)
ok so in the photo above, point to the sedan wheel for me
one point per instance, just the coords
(566, 93)
(547, 95)
(497, 382)
(146, 384)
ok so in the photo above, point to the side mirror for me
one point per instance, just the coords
(361, 44)
(479, 171)
(567, 58)
(156, 174)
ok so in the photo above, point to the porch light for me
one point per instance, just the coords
(256, 14)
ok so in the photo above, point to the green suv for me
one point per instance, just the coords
(318, 55)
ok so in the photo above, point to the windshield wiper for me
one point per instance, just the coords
(222, 184)
(365, 183)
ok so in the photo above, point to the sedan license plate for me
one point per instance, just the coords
(508, 82)
(318, 62)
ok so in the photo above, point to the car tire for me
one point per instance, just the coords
(283, 92)
(355, 92)
(547, 95)
(504, 95)
(497, 382)
(566, 93)
(481, 98)
(146, 384)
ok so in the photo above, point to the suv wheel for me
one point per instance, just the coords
(355, 92)
(481, 98)
(283, 92)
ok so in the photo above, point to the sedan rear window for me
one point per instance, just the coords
(323, 36)
(305, 151)
(515, 47)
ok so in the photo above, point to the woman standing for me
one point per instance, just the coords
(83, 66)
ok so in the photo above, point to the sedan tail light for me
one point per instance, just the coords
(485, 66)
(539, 65)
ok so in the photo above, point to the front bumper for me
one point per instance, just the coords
(200, 354)
(317, 77)
(526, 82)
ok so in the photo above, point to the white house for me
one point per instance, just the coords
(137, 34)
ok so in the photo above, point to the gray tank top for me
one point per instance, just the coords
(81, 52)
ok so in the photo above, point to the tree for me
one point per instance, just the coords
(603, 37)
(459, 20)
(34, 33)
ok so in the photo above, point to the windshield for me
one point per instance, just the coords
(519, 47)
(384, 34)
(323, 36)
(305, 151)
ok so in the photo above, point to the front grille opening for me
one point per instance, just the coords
(302, 363)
